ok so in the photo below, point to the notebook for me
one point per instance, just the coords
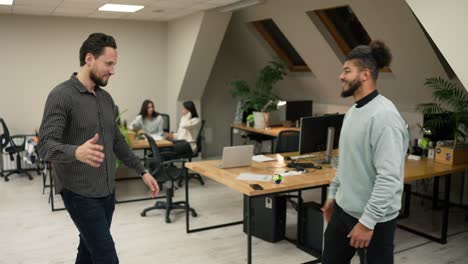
(236, 156)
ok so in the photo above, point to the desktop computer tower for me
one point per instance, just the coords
(312, 228)
(268, 219)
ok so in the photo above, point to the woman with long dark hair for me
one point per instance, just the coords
(189, 125)
(148, 120)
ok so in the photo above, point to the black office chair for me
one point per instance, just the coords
(163, 167)
(195, 154)
(8, 144)
(288, 141)
(167, 122)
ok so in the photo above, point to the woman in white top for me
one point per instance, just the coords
(189, 125)
(148, 121)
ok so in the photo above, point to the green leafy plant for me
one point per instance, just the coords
(250, 119)
(260, 96)
(450, 100)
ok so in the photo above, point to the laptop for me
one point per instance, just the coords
(236, 156)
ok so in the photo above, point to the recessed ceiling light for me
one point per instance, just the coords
(120, 8)
(6, 2)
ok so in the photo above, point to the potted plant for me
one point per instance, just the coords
(450, 109)
(259, 98)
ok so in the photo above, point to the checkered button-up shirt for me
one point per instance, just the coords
(73, 115)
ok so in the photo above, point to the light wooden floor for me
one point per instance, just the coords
(31, 233)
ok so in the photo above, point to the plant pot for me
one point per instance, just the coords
(452, 156)
(261, 119)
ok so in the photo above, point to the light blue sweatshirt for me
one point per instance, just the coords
(369, 179)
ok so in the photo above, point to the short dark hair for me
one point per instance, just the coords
(95, 45)
(374, 56)
(144, 109)
(190, 106)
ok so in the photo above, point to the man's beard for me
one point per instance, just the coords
(98, 81)
(353, 86)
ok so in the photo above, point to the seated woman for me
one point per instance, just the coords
(188, 128)
(148, 121)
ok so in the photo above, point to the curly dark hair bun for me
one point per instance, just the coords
(381, 53)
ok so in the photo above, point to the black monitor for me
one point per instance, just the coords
(295, 110)
(314, 130)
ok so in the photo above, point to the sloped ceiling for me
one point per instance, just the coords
(390, 21)
(445, 22)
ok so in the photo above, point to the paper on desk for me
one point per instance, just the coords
(157, 136)
(290, 173)
(254, 177)
(262, 158)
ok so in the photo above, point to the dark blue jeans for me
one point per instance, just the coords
(338, 251)
(92, 217)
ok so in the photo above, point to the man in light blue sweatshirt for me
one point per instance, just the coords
(364, 199)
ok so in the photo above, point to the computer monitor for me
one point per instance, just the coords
(314, 131)
(295, 110)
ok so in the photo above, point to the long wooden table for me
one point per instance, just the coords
(414, 170)
(143, 144)
(310, 180)
(268, 131)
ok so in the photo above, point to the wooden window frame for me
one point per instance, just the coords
(340, 41)
(281, 53)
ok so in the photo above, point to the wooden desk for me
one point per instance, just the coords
(270, 131)
(143, 144)
(426, 169)
(414, 170)
(310, 180)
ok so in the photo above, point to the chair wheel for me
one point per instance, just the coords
(143, 214)
(194, 214)
(6, 179)
(168, 220)
(202, 183)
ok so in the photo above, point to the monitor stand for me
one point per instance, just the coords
(329, 150)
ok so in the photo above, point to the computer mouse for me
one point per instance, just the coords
(299, 168)
(318, 167)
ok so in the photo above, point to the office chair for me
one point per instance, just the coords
(8, 144)
(195, 154)
(288, 141)
(167, 122)
(163, 167)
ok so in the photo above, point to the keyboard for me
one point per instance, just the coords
(305, 156)
(301, 164)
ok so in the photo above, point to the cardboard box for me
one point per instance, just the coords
(449, 155)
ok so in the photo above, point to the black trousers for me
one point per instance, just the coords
(92, 217)
(338, 251)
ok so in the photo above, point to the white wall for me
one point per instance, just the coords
(181, 36)
(40, 52)
(445, 22)
(243, 53)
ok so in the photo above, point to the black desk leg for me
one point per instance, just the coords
(299, 237)
(407, 191)
(443, 238)
(232, 135)
(249, 229)
(187, 218)
(435, 194)
(272, 145)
